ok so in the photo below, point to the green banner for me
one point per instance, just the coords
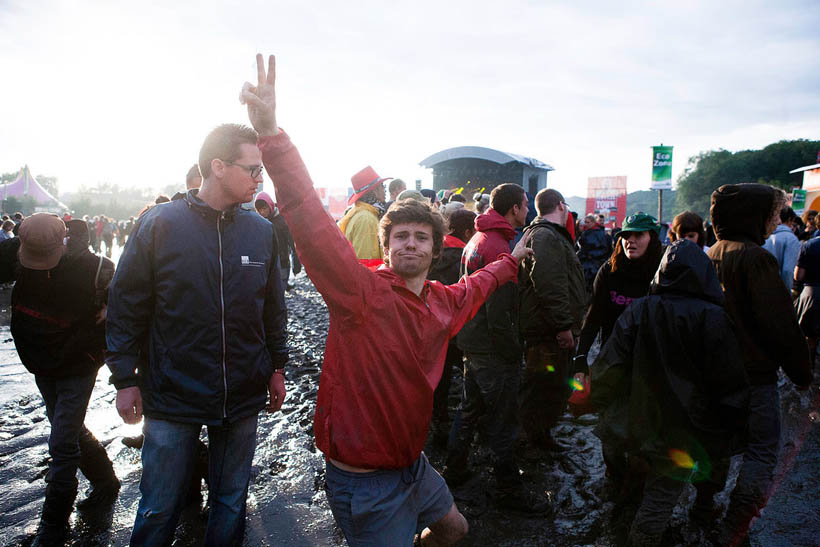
(798, 201)
(662, 167)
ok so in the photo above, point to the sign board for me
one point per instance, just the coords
(607, 196)
(661, 168)
(798, 201)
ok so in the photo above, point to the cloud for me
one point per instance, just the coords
(126, 93)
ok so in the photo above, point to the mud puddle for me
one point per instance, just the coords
(287, 505)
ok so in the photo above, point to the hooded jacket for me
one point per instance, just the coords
(553, 294)
(494, 329)
(446, 268)
(671, 376)
(756, 297)
(54, 312)
(360, 225)
(283, 238)
(612, 293)
(386, 345)
(595, 247)
(196, 312)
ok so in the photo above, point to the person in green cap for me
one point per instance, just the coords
(624, 277)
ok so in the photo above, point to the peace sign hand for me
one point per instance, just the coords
(261, 99)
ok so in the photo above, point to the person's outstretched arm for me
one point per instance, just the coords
(327, 256)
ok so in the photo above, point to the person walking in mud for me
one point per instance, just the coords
(58, 326)
(385, 349)
(492, 371)
(671, 385)
(553, 300)
(266, 207)
(757, 300)
(203, 318)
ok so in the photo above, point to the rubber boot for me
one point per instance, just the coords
(510, 492)
(98, 469)
(53, 528)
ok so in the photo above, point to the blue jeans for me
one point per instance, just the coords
(168, 455)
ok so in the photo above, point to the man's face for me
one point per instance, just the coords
(237, 182)
(401, 188)
(410, 249)
(262, 208)
(521, 213)
(379, 188)
(564, 213)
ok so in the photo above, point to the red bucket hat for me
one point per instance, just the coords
(363, 181)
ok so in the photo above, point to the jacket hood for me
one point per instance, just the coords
(451, 241)
(492, 220)
(264, 196)
(742, 211)
(685, 269)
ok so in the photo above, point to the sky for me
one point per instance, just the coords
(125, 92)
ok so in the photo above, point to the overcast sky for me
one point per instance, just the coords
(125, 92)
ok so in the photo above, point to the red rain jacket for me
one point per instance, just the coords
(385, 345)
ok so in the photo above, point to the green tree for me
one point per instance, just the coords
(49, 184)
(6, 178)
(24, 204)
(707, 171)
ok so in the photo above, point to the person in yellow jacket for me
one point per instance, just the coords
(360, 224)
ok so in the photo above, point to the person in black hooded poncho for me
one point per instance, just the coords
(671, 387)
(761, 307)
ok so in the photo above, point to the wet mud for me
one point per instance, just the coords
(287, 505)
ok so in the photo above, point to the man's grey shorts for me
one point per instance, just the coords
(387, 507)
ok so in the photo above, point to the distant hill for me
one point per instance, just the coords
(642, 200)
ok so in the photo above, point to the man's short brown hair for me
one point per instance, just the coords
(505, 196)
(193, 173)
(411, 210)
(547, 200)
(395, 187)
(223, 143)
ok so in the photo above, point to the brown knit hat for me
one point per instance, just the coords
(41, 241)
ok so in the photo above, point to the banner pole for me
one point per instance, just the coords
(660, 206)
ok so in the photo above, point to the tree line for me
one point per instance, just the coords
(707, 171)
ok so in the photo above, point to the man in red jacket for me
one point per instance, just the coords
(385, 349)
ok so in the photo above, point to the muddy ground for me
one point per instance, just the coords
(287, 505)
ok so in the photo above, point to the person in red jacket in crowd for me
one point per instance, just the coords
(385, 349)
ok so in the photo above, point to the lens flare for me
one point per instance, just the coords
(682, 459)
(576, 385)
(550, 368)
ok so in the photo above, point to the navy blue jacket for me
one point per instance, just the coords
(197, 307)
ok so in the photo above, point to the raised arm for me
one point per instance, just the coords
(327, 256)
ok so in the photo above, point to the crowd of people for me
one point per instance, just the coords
(192, 324)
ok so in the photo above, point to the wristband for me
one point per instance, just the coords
(279, 371)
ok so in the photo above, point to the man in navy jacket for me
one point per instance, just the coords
(197, 336)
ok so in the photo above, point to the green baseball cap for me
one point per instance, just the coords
(640, 222)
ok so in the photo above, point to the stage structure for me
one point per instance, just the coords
(473, 168)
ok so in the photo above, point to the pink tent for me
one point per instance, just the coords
(26, 185)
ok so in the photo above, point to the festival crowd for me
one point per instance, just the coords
(509, 291)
